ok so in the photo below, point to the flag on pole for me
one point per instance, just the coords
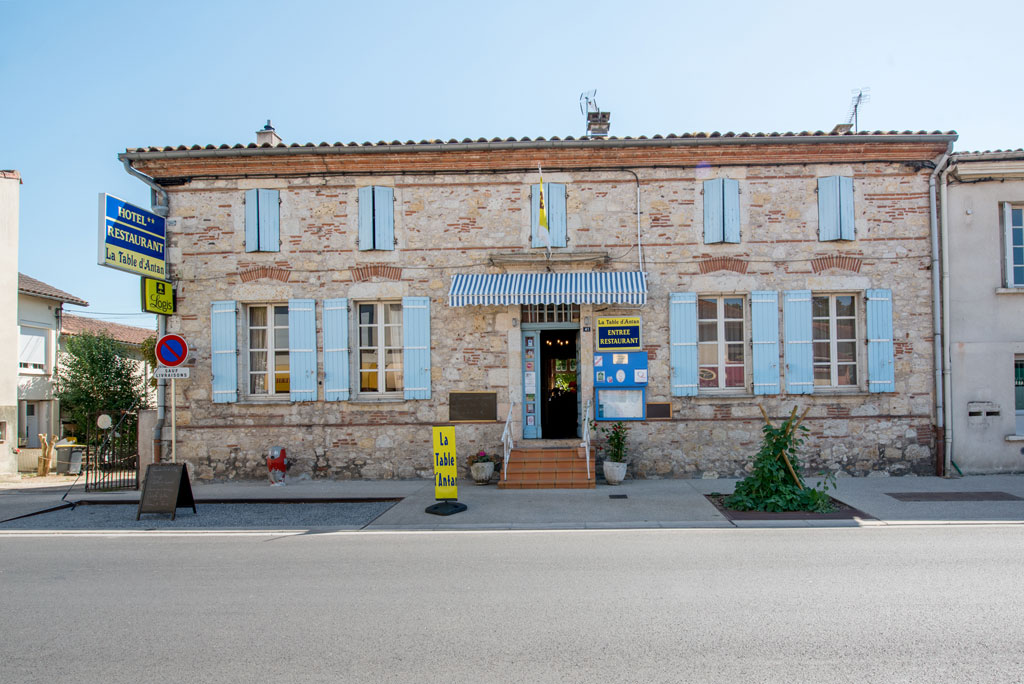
(542, 215)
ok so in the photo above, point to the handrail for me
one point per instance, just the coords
(586, 435)
(506, 440)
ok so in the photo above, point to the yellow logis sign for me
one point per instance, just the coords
(445, 471)
(157, 296)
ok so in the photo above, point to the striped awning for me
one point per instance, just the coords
(502, 289)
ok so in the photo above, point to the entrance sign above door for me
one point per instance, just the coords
(618, 334)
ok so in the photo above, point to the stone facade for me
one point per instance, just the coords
(465, 208)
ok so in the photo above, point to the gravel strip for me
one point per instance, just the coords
(274, 516)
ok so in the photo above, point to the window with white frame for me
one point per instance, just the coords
(32, 349)
(721, 342)
(1018, 392)
(380, 347)
(267, 330)
(834, 326)
(1013, 219)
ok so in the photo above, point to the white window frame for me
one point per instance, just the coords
(833, 362)
(1018, 400)
(1008, 210)
(271, 350)
(380, 348)
(722, 345)
(35, 369)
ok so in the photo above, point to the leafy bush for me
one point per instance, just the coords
(776, 482)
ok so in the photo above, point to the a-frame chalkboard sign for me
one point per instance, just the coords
(166, 489)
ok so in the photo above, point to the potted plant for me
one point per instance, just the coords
(481, 467)
(614, 464)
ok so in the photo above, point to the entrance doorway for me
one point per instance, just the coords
(551, 407)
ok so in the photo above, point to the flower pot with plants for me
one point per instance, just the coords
(481, 467)
(615, 450)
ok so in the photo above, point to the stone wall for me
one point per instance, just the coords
(454, 223)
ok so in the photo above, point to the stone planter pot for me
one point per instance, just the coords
(614, 472)
(482, 472)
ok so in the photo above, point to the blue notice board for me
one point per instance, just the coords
(620, 382)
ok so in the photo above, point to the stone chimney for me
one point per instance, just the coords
(267, 134)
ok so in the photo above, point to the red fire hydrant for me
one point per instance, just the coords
(277, 465)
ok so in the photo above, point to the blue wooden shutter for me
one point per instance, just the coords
(730, 210)
(881, 363)
(799, 348)
(336, 378)
(846, 215)
(302, 349)
(270, 220)
(713, 225)
(828, 209)
(416, 342)
(554, 194)
(683, 338)
(384, 218)
(535, 240)
(252, 221)
(224, 351)
(366, 218)
(764, 316)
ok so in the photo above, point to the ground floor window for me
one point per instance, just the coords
(834, 325)
(1018, 387)
(380, 347)
(720, 342)
(268, 349)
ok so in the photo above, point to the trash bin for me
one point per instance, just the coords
(277, 465)
(75, 465)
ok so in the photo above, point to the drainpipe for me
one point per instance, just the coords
(161, 204)
(160, 208)
(946, 358)
(937, 317)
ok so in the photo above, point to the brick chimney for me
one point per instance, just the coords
(267, 134)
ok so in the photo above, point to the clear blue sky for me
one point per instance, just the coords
(82, 81)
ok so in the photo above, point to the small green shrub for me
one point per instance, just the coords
(776, 482)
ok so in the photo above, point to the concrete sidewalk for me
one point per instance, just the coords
(637, 503)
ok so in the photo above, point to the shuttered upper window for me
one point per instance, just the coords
(835, 208)
(1013, 219)
(262, 221)
(376, 218)
(721, 210)
(554, 211)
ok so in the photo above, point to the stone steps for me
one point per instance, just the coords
(548, 468)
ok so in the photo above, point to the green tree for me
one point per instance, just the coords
(96, 375)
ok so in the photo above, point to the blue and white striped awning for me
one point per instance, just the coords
(502, 289)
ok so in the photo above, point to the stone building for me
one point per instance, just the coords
(983, 230)
(342, 299)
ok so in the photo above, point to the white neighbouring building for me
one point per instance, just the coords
(10, 190)
(983, 220)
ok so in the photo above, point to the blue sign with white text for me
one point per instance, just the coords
(131, 239)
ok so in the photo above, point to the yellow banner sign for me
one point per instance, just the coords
(445, 471)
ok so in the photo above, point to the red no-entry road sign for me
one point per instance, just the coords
(171, 350)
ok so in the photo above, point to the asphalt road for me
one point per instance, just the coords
(909, 604)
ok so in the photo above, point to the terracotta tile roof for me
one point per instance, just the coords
(14, 175)
(989, 155)
(129, 334)
(31, 286)
(881, 135)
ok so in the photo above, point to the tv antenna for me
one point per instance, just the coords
(860, 96)
(597, 121)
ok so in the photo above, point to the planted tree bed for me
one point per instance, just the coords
(841, 511)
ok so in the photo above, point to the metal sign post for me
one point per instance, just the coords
(171, 352)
